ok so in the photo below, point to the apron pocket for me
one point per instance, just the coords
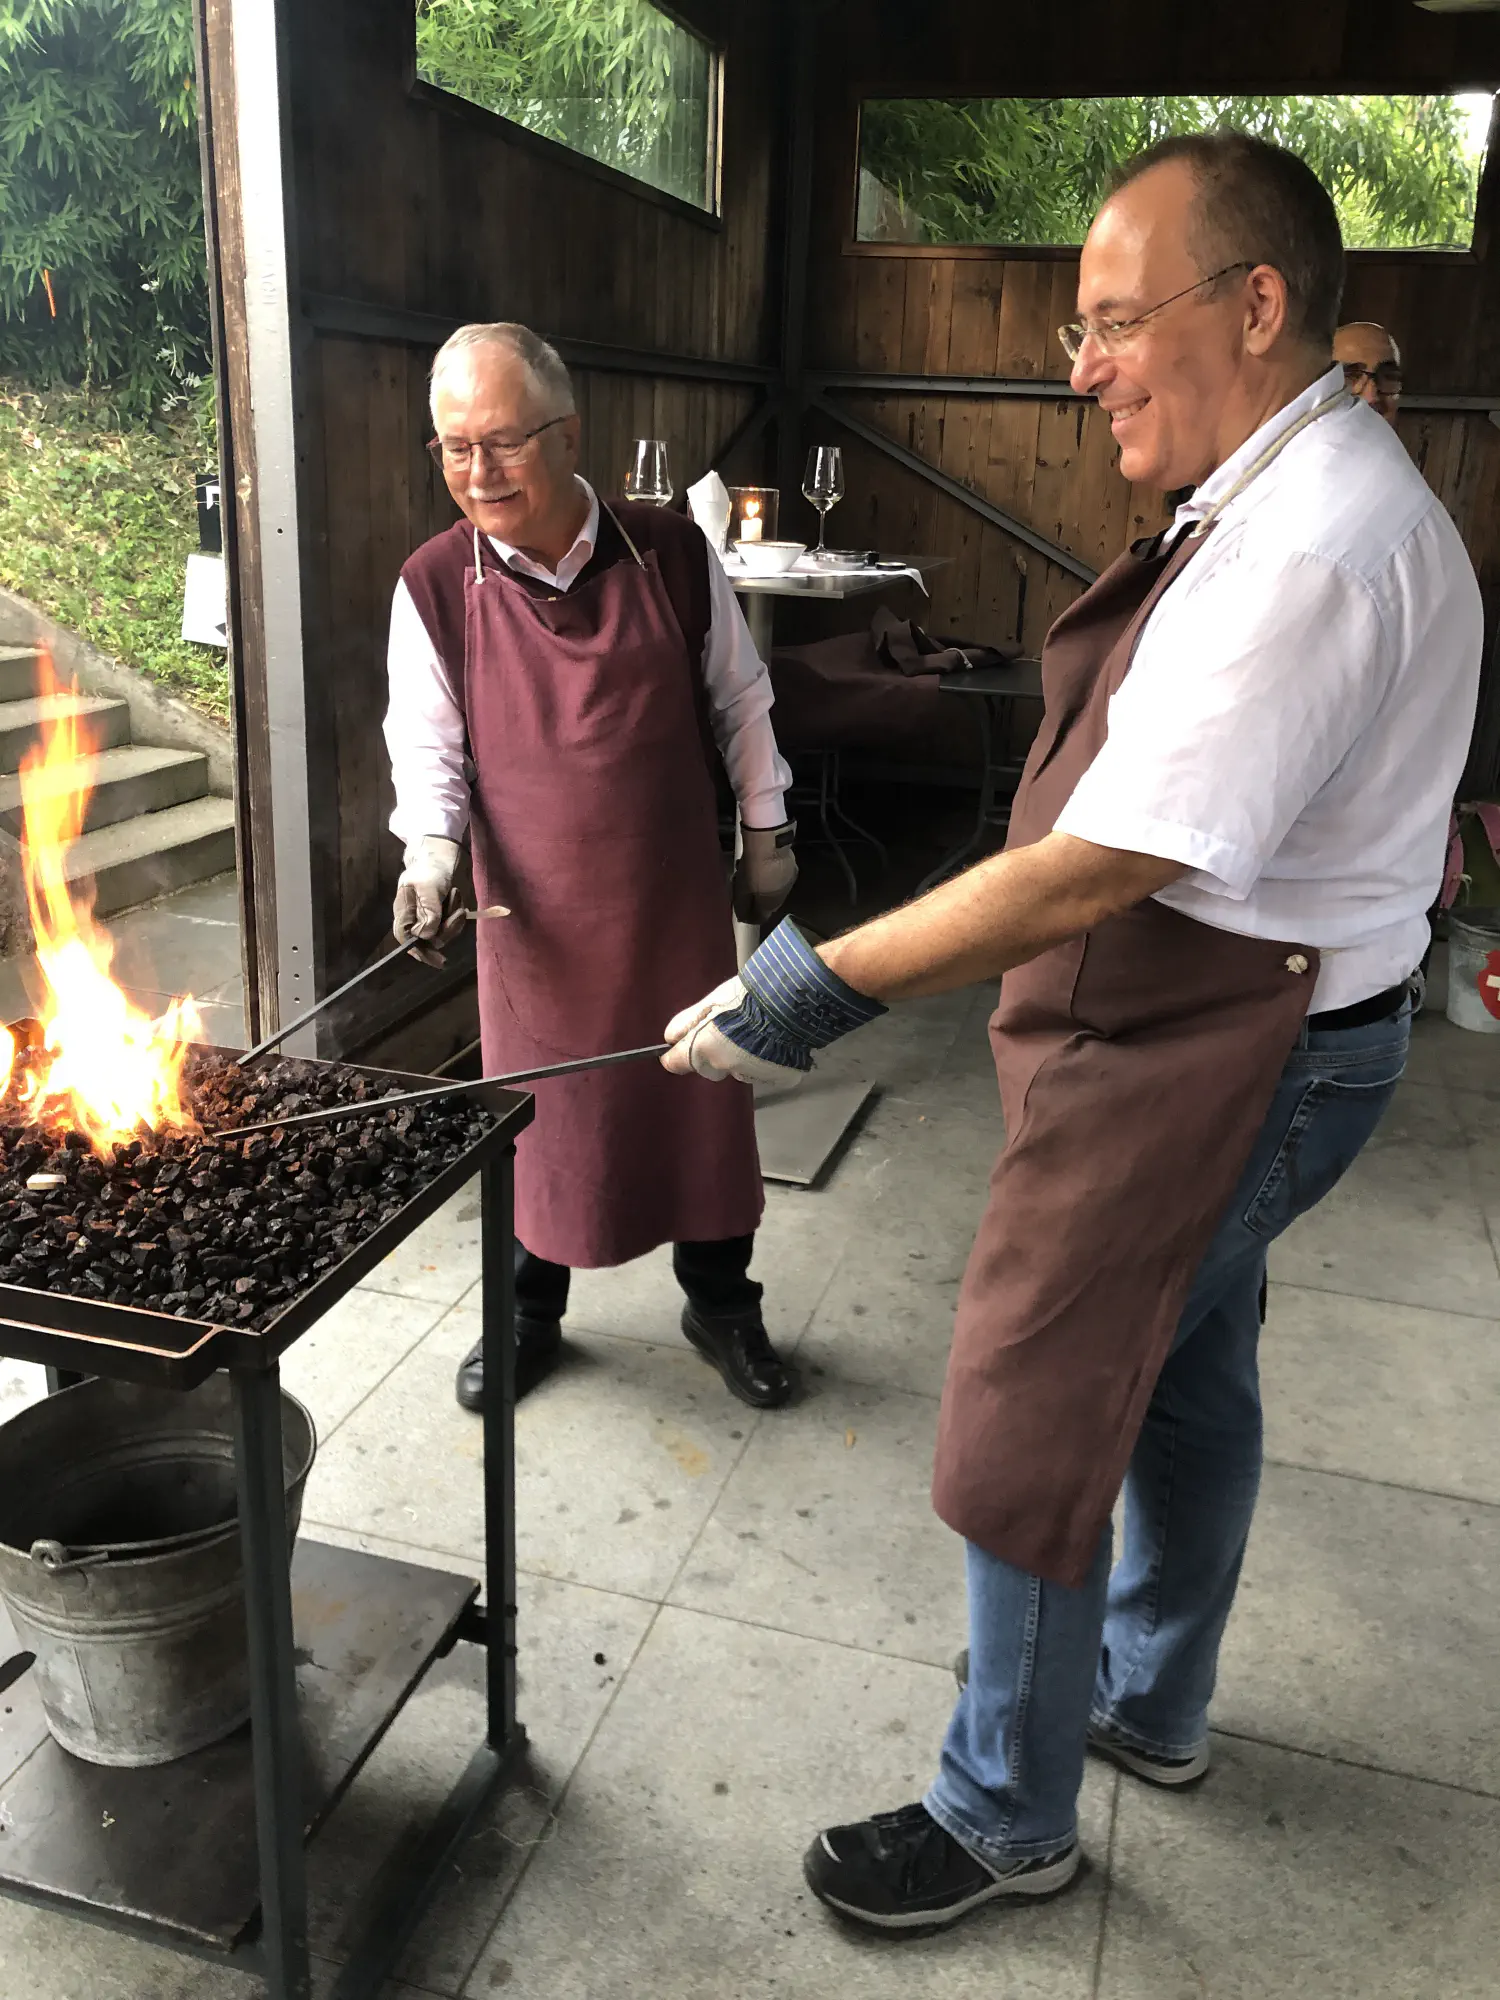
(1329, 1125)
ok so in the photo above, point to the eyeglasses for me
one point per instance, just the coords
(457, 454)
(1386, 376)
(1110, 335)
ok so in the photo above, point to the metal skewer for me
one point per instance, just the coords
(398, 951)
(372, 1106)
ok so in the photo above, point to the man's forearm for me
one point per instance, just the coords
(998, 914)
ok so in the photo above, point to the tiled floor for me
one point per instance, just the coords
(736, 1628)
(186, 943)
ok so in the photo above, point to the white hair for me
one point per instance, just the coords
(550, 381)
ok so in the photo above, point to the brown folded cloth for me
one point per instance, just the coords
(902, 644)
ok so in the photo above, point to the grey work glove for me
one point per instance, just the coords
(428, 909)
(765, 872)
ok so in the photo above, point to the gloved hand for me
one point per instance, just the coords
(765, 872)
(427, 905)
(764, 1026)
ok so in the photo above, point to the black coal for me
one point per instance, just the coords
(228, 1231)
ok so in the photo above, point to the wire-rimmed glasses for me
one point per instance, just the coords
(1110, 335)
(457, 454)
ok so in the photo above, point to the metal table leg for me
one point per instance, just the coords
(950, 863)
(498, 1312)
(275, 1734)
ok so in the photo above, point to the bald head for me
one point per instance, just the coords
(1372, 365)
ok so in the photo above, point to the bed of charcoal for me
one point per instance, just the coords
(223, 1230)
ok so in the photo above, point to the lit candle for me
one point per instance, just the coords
(751, 525)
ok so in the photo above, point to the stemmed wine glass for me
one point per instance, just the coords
(823, 487)
(648, 478)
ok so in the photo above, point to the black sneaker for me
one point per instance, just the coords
(1168, 1772)
(901, 1871)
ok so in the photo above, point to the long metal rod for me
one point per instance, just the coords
(369, 972)
(370, 1107)
(275, 1731)
(975, 502)
(281, 1034)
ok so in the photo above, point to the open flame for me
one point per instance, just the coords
(104, 1068)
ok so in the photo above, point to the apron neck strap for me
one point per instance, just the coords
(605, 508)
(1340, 399)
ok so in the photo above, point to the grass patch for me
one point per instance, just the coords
(97, 522)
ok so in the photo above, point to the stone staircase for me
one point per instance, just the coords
(151, 825)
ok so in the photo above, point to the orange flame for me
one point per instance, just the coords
(106, 1069)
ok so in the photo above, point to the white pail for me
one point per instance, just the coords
(1474, 970)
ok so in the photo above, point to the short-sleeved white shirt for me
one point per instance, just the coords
(1296, 718)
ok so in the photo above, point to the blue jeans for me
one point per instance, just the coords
(1135, 1650)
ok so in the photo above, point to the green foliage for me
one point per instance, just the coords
(97, 523)
(1033, 170)
(100, 189)
(615, 79)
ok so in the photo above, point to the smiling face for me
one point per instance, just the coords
(1185, 388)
(488, 392)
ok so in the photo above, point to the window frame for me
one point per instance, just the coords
(1486, 194)
(449, 102)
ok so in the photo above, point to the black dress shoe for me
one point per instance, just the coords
(538, 1346)
(738, 1346)
(902, 1872)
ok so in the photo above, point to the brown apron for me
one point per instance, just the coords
(1136, 1065)
(594, 819)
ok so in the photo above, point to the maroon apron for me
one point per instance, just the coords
(594, 819)
(1137, 1065)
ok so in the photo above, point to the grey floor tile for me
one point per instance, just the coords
(223, 1025)
(1404, 1223)
(576, 1646)
(21, 1382)
(682, 1833)
(1367, 1627)
(1288, 1878)
(620, 1456)
(45, 1957)
(825, 1528)
(351, 1349)
(903, 1048)
(440, 1260)
(1386, 1392)
(170, 952)
(1458, 1056)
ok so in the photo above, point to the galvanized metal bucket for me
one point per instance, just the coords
(120, 1563)
(1474, 970)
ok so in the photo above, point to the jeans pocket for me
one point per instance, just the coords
(1330, 1122)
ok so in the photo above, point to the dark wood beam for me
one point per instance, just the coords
(955, 489)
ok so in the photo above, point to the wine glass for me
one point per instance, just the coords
(823, 487)
(648, 478)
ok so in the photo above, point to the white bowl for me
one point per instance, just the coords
(769, 558)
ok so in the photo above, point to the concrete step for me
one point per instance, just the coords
(138, 859)
(19, 673)
(132, 779)
(105, 722)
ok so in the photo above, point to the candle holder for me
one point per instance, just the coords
(753, 513)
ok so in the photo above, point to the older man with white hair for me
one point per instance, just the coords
(562, 674)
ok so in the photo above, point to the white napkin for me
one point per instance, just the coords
(708, 503)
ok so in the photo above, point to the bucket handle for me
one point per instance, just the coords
(60, 1561)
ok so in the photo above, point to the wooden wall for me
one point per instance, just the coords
(899, 310)
(412, 212)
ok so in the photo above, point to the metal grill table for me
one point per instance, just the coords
(207, 1854)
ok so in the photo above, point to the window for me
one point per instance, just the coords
(1403, 171)
(615, 79)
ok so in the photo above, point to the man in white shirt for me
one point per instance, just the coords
(1228, 832)
(563, 677)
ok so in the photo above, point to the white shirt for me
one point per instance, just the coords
(424, 730)
(1297, 715)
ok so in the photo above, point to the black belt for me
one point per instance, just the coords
(1363, 1012)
